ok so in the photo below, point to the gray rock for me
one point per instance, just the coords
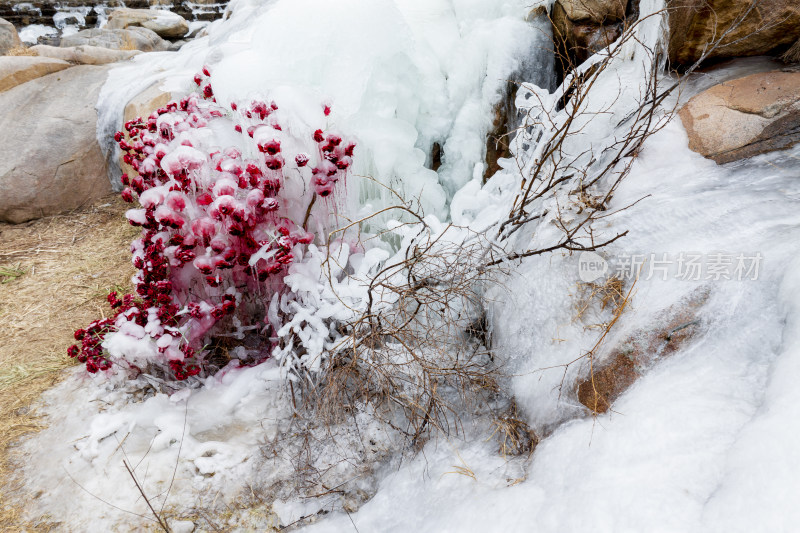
(50, 160)
(120, 39)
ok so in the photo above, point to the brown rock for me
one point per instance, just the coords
(15, 70)
(8, 37)
(745, 117)
(84, 54)
(50, 160)
(771, 26)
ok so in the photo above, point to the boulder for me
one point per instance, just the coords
(50, 160)
(15, 70)
(134, 38)
(745, 117)
(8, 37)
(165, 23)
(769, 28)
(84, 54)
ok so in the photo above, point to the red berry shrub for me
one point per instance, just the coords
(220, 226)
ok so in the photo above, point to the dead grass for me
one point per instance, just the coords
(55, 275)
(515, 437)
(21, 50)
(792, 55)
(609, 294)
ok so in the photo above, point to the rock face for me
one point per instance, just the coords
(8, 36)
(582, 27)
(745, 117)
(771, 26)
(15, 70)
(84, 54)
(127, 39)
(50, 160)
(165, 23)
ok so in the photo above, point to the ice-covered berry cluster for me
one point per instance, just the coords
(220, 226)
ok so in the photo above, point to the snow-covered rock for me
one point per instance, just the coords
(165, 23)
(49, 157)
(15, 70)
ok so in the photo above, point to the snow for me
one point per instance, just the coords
(31, 34)
(705, 440)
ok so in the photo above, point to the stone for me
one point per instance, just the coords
(165, 23)
(16, 70)
(744, 117)
(133, 38)
(84, 54)
(9, 38)
(50, 160)
(771, 27)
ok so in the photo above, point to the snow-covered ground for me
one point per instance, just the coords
(703, 441)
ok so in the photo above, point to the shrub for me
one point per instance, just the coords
(219, 229)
